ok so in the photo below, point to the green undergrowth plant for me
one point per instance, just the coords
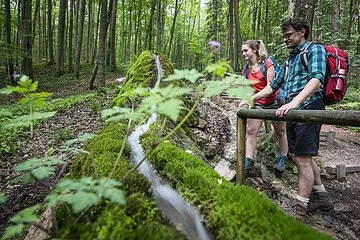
(26, 87)
(231, 211)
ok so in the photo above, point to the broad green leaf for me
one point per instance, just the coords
(25, 99)
(16, 124)
(2, 198)
(12, 231)
(215, 88)
(44, 94)
(170, 91)
(85, 192)
(24, 178)
(190, 75)
(295, 170)
(171, 108)
(7, 90)
(37, 162)
(33, 86)
(83, 138)
(26, 215)
(243, 92)
(114, 195)
(5, 113)
(43, 172)
(218, 68)
(134, 116)
(80, 201)
(113, 111)
(26, 120)
(235, 80)
(24, 78)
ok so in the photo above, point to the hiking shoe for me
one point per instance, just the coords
(280, 164)
(320, 200)
(301, 211)
(249, 167)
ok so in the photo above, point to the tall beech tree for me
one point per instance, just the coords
(7, 27)
(50, 32)
(60, 53)
(26, 38)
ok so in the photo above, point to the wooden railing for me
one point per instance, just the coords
(344, 118)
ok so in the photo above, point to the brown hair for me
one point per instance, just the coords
(258, 47)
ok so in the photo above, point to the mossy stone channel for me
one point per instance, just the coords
(231, 211)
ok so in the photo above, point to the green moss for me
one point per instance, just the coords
(116, 222)
(110, 221)
(232, 212)
(143, 73)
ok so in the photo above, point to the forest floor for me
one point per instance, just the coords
(342, 223)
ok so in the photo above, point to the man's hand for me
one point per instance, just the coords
(284, 109)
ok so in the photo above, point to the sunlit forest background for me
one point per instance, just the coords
(106, 36)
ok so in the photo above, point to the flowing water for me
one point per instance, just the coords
(173, 206)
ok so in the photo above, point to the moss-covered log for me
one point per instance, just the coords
(231, 211)
(138, 219)
(144, 72)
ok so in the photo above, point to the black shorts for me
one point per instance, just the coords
(303, 138)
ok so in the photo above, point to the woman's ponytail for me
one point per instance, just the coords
(263, 54)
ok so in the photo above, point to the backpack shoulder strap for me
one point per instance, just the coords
(246, 70)
(304, 55)
(263, 67)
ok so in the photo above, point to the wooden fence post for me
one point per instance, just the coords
(240, 150)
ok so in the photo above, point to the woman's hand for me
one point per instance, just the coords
(244, 104)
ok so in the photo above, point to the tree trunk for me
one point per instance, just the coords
(150, 26)
(255, 10)
(89, 31)
(351, 19)
(291, 5)
(26, 38)
(258, 27)
(112, 37)
(137, 40)
(123, 51)
(80, 34)
(130, 32)
(102, 44)
(50, 34)
(335, 21)
(96, 35)
(305, 9)
(36, 17)
(60, 56)
(7, 27)
(71, 29)
(237, 39)
(266, 22)
(358, 30)
(172, 30)
(45, 38)
(159, 26)
(231, 32)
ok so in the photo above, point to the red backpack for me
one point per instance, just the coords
(337, 68)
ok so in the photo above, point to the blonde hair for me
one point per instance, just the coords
(259, 48)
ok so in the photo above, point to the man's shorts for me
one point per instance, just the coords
(274, 105)
(303, 138)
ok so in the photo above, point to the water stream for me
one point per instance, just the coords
(184, 216)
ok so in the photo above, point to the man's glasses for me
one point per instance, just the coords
(288, 35)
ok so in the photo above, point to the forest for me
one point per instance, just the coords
(74, 88)
(68, 34)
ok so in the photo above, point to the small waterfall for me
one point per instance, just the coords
(173, 206)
